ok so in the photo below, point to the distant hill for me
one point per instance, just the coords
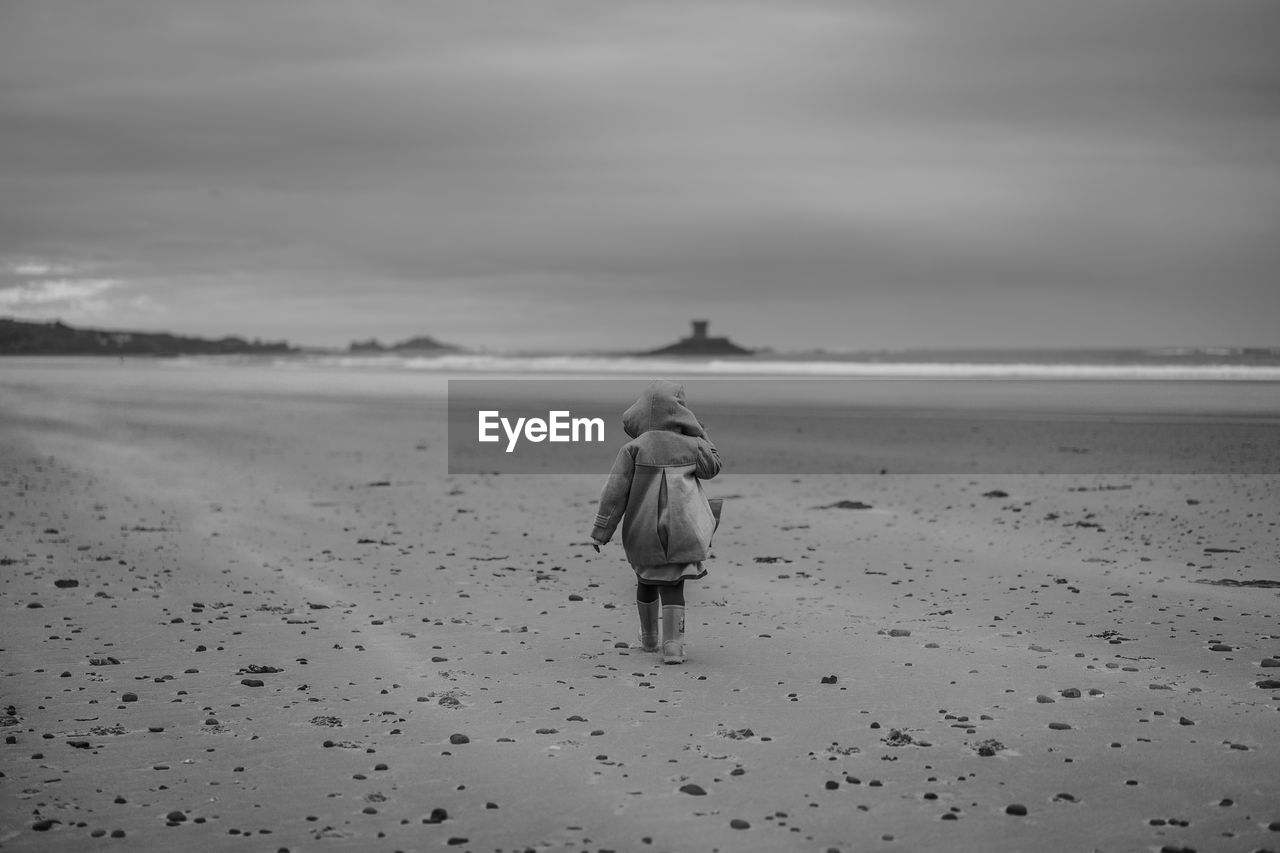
(700, 343)
(19, 337)
(422, 343)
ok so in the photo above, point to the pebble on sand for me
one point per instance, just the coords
(252, 682)
(739, 823)
(693, 790)
(1017, 809)
(459, 739)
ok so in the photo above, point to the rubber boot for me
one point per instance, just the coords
(673, 633)
(649, 624)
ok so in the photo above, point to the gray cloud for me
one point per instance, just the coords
(352, 170)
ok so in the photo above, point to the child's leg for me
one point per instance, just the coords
(673, 623)
(646, 592)
(650, 613)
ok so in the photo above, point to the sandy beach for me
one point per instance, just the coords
(250, 610)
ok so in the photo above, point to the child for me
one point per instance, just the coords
(656, 483)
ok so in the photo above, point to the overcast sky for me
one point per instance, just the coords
(520, 173)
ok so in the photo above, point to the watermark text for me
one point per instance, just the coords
(559, 426)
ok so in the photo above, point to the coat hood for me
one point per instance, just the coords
(661, 407)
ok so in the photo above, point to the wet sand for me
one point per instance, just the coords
(251, 610)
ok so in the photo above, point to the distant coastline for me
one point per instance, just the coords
(18, 337)
(702, 355)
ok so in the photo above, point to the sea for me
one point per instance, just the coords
(1186, 410)
(1180, 364)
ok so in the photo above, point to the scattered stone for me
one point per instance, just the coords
(1221, 647)
(995, 493)
(989, 747)
(1159, 687)
(1270, 662)
(437, 815)
(252, 682)
(104, 661)
(575, 597)
(897, 737)
(847, 504)
(739, 823)
(736, 734)
(459, 739)
(899, 632)
(66, 583)
(693, 790)
(1070, 693)
(175, 817)
(1060, 727)
(1045, 700)
(1269, 684)
(1183, 721)
(829, 679)
(1017, 809)
(129, 697)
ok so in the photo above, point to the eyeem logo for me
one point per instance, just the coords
(559, 426)
(859, 427)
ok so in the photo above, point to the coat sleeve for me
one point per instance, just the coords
(613, 499)
(708, 461)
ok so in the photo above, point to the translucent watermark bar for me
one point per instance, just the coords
(874, 426)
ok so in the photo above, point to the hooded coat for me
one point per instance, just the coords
(655, 488)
